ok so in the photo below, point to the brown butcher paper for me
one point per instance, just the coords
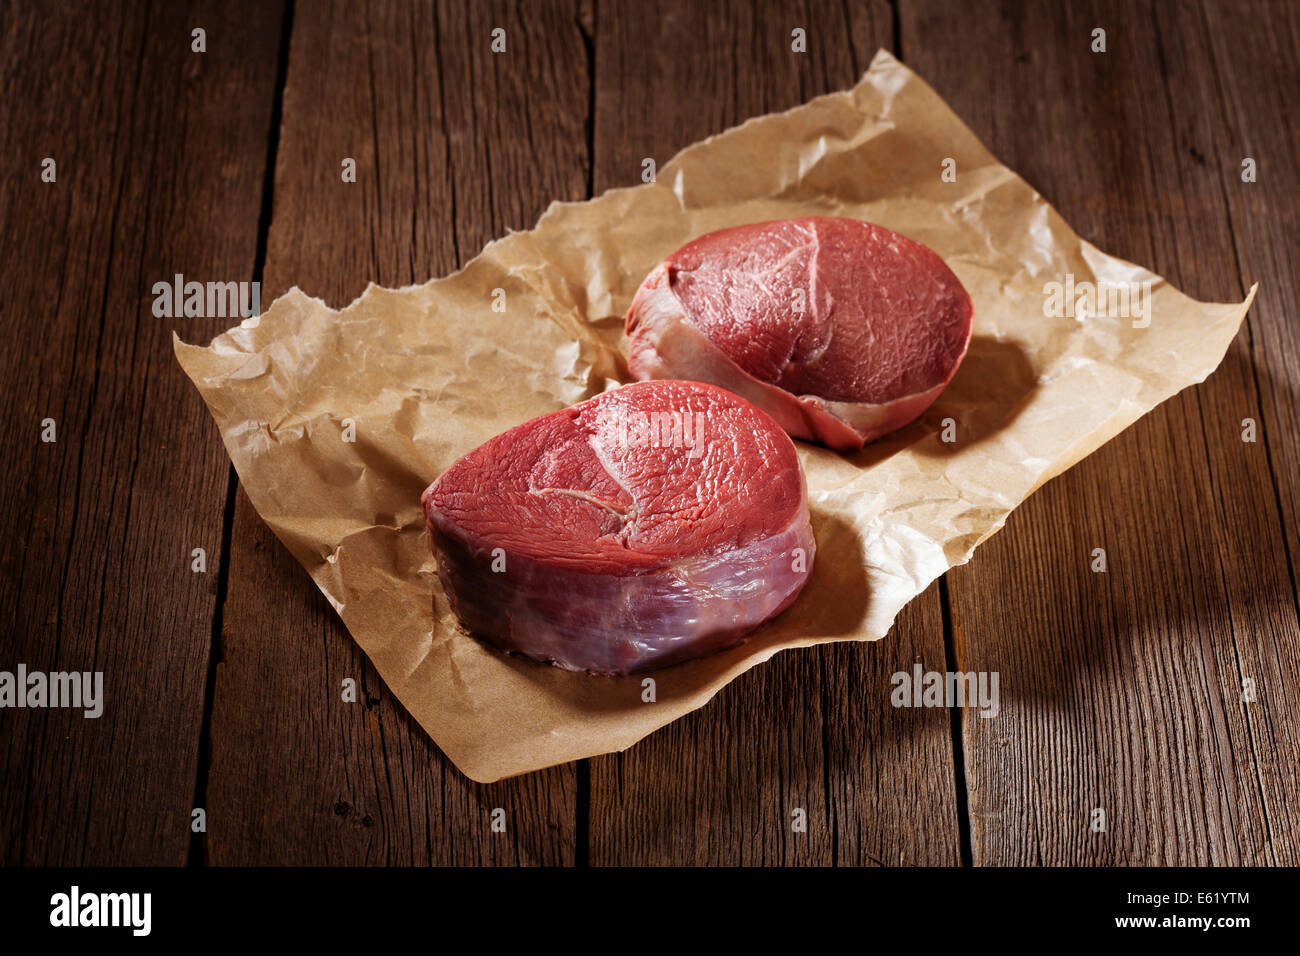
(337, 420)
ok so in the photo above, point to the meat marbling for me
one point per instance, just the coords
(839, 329)
(654, 523)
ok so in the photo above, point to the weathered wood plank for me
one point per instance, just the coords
(453, 146)
(160, 154)
(1253, 79)
(810, 729)
(1121, 692)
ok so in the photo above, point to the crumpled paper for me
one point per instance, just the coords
(416, 377)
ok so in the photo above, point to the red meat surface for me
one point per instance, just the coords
(654, 523)
(840, 330)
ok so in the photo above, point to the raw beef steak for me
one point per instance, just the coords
(654, 523)
(840, 330)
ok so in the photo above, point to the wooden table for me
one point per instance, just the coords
(1121, 691)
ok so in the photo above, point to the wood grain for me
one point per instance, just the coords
(1254, 55)
(811, 729)
(1123, 691)
(453, 146)
(157, 174)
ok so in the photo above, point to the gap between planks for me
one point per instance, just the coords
(198, 841)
